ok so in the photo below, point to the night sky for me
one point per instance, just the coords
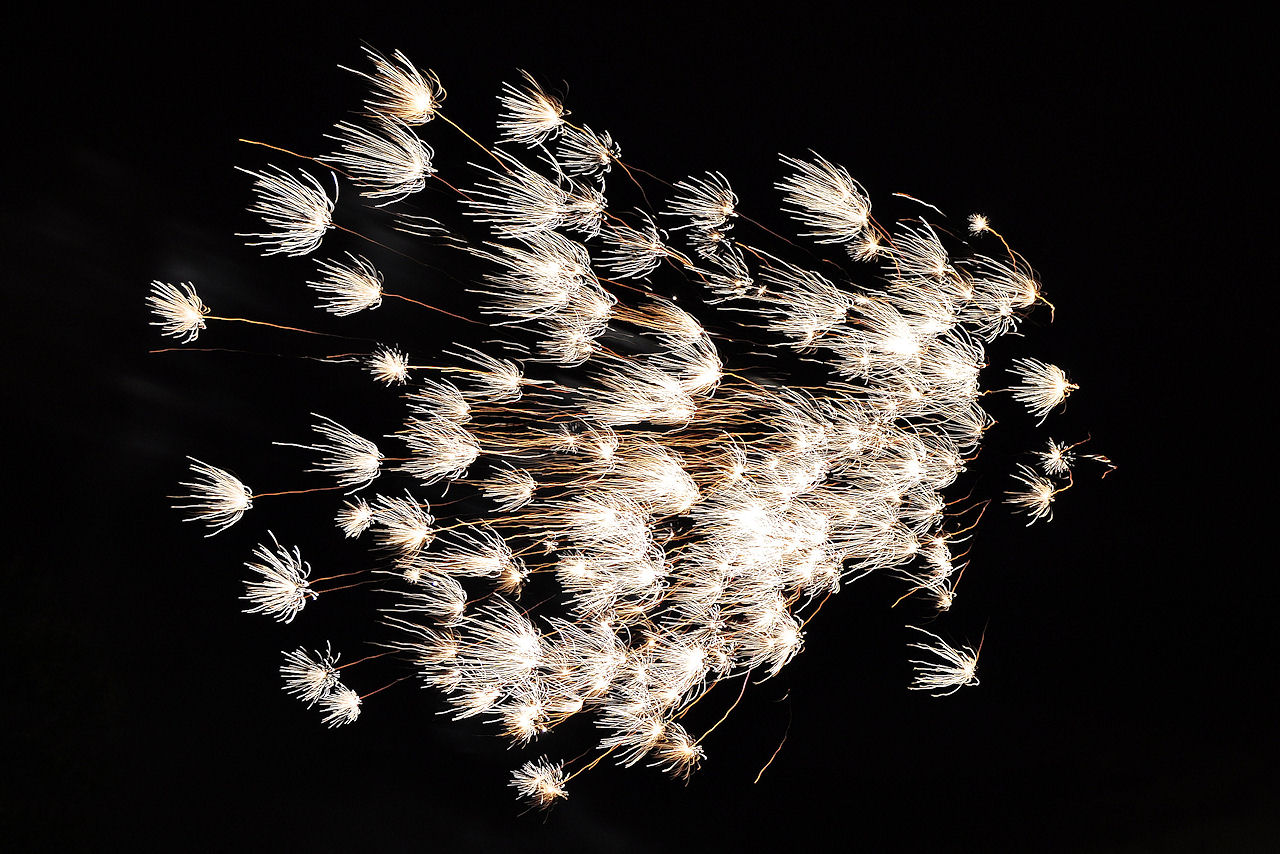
(1128, 644)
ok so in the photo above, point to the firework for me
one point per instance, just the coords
(681, 511)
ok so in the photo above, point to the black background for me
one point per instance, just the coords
(1128, 645)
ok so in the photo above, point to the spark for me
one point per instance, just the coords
(180, 311)
(540, 781)
(529, 115)
(401, 90)
(354, 460)
(1034, 497)
(355, 517)
(309, 676)
(950, 670)
(280, 589)
(389, 366)
(584, 153)
(825, 197)
(217, 497)
(388, 163)
(340, 706)
(297, 212)
(1043, 386)
(348, 288)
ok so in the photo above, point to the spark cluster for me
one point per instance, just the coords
(685, 480)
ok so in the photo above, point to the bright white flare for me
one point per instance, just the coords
(180, 311)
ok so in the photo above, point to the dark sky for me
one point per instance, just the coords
(1128, 644)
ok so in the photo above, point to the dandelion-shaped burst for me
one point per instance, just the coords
(440, 400)
(389, 366)
(354, 460)
(708, 203)
(180, 310)
(217, 497)
(1056, 459)
(677, 753)
(354, 517)
(297, 212)
(517, 201)
(585, 153)
(1042, 387)
(279, 587)
(509, 488)
(540, 782)
(1034, 497)
(340, 706)
(309, 676)
(439, 450)
(401, 524)
(389, 163)
(491, 380)
(529, 115)
(541, 276)
(400, 90)
(950, 670)
(867, 247)
(633, 253)
(825, 197)
(347, 288)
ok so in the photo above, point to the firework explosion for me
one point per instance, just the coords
(646, 499)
